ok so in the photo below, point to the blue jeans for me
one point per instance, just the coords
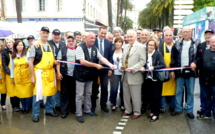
(49, 106)
(57, 99)
(172, 101)
(189, 83)
(202, 92)
(209, 98)
(115, 82)
(26, 102)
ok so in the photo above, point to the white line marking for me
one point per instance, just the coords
(124, 120)
(122, 123)
(116, 132)
(119, 128)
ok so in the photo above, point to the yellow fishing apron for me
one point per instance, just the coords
(22, 78)
(9, 83)
(48, 74)
(2, 79)
(169, 87)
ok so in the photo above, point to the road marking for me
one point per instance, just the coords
(121, 125)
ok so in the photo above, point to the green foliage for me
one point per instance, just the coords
(199, 4)
(126, 23)
(158, 13)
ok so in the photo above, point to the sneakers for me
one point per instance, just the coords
(16, 109)
(162, 110)
(90, 114)
(203, 117)
(35, 119)
(80, 119)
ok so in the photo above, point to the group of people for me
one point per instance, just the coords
(58, 73)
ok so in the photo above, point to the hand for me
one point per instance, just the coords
(36, 44)
(98, 66)
(112, 67)
(59, 76)
(128, 70)
(120, 69)
(142, 69)
(109, 72)
(33, 80)
(57, 62)
(151, 69)
(13, 81)
(193, 66)
(172, 75)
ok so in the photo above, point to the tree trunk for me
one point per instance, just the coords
(121, 9)
(126, 6)
(2, 9)
(18, 11)
(118, 11)
(110, 15)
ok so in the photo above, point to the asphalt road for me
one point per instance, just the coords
(105, 123)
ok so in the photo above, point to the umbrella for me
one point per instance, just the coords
(4, 32)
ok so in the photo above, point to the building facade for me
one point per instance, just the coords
(66, 15)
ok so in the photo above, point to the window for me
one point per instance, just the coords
(41, 5)
(59, 5)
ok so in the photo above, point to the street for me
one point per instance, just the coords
(105, 123)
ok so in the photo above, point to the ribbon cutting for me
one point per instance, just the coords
(163, 69)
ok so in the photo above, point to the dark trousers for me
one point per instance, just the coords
(115, 82)
(209, 98)
(26, 102)
(3, 99)
(15, 102)
(154, 88)
(103, 74)
(202, 92)
(68, 92)
(145, 96)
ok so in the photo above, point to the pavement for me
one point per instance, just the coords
(105, 123)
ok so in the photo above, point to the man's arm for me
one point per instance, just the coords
(31, 67)
(90, 64)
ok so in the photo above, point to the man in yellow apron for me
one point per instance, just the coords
(169, 87)
(43, 75)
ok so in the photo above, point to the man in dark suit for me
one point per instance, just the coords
(105, 48)
(200, 51)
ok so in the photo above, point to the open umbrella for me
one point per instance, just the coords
(4, 32)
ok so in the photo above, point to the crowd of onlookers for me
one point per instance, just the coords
(48, 73)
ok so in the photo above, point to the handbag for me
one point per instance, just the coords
(163, 76)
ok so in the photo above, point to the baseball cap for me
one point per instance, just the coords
(56, 31)
(45, 29)
(156, 29)
(77, 33)
(30, 37)
(209, 30)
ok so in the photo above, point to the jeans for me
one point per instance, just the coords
(189, 83)
(57, 99)
(115, 82)
(202, 92)
(172, 101)
(209, 98)
(49, 106)
(26, 102)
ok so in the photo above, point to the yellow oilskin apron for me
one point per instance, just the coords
(9, 83)
(47, 73)
(22, 78)
(169, 87)
(2, 79)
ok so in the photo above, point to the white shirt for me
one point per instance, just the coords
(185, 53)
(116, 60)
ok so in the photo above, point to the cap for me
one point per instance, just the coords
(156, 29)
(56, 31)
(70, 37)
(77, 33)
(45, 29)
(30, 37)
(209, 30)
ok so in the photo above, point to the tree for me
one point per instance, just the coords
(127, 24)
(158, 13)
(19, 11)
(199, 4)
